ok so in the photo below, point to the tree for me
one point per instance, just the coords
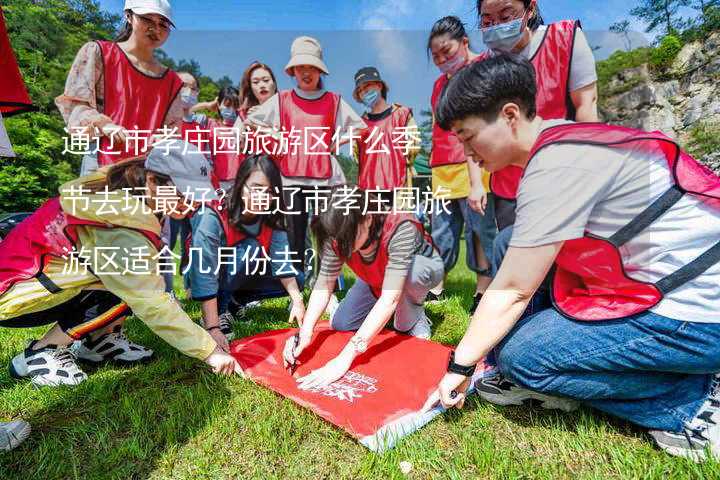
(623, 28)
(659, 14)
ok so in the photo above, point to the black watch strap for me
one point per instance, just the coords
(459, 369)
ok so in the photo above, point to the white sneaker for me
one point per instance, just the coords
(49, 366)
(13, 434)
(332, 307)
(113, 346)
(499, 390)
(422, 328)
(225, 323)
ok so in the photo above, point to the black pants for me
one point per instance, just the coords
(81, 315)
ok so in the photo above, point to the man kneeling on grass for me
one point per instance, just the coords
(631, 224)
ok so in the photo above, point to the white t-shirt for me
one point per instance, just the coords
(567, 190)
(5, 146)
(268, 115)
(582, 65)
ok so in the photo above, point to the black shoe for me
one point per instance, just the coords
(476, 302)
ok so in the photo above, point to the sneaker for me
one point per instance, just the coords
(476, 302)
(48, 366)
(499, 390)
(13, 434)
(225, 322)
(332, 307)
(114, 346)
(421, 328)
(700, 437)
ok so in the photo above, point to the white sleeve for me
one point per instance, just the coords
(582, 67)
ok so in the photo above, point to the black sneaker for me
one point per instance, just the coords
(476, 302)
(48, 366)
(700, 437)
(499, 390)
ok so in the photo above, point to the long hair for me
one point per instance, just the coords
(341, 225)
(247, 97)
(126, 30)
(533, 23)
(236, 205)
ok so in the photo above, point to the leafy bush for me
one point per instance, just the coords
(664, 55)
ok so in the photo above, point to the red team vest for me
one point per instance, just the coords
(49, 232)
(379, 169)
(133, 100)
(310, 119)
(590, 280)
(552, 63)
(373, 273)
(446, 148)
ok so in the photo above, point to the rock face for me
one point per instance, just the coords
(673, 106)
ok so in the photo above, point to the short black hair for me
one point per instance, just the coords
(450, 25)
(484, 87)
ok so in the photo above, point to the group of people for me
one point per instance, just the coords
(595, 247)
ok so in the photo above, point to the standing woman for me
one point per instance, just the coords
(118, 86)
(566, 83)
(306, 108)
(450, 48)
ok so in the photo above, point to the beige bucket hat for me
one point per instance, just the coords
(306, 51)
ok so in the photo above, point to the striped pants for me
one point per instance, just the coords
(79, 316)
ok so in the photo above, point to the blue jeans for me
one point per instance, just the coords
(651, 370)
(447, 229)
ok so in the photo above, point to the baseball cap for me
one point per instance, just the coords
(143, 7)
(186, 165)
(365, 75)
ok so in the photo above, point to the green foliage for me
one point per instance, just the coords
(704, 139)
(663, 56)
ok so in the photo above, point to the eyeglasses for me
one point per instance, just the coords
(163, 25)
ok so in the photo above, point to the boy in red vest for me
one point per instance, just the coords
(630, 224)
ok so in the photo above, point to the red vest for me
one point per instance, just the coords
(308, 121)
(49, 232)
(13, 95)
(373, 273)
(225, 151)
(446, 148)
(382, 163)
(133, 100)
(590, 281)
(552, 64)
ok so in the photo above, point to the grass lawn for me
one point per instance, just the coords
(171, 418)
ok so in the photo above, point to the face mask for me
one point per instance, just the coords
(504, 37)
(370, 98)
(453, 65)
(228, 114)
(188, 98)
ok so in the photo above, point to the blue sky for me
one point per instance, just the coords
(224, 36)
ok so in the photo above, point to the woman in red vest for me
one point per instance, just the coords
(250, 227)
(120, 92)
(633, 238)
(86, 260)
(566, 76)
(395, 263)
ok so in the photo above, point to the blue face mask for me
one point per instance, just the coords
(228, 114)
(370, 98)
(504, 37)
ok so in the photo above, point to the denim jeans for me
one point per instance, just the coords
(425, 274)
(648, 369)
(447, 229)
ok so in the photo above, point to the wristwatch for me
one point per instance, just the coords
(359, 344)
(459, 369)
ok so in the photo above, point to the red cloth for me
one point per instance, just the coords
(13, 95)
(382, 393)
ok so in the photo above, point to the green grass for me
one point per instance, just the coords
(171, 418)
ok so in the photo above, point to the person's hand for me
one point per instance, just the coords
(220, 339)
(478, 199)
(450, 392)
(297, 312)
(331, 372)
(117, 134)
(222, 363)
(291, 352)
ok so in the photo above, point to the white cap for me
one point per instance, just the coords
(143, 7)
